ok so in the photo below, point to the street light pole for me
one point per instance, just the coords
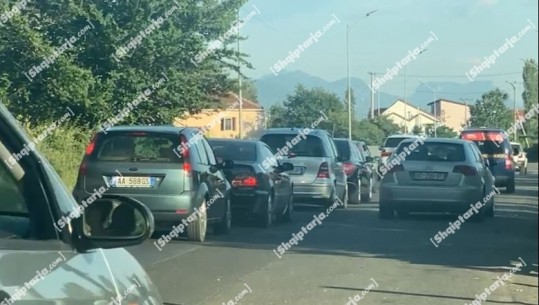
(515, 135)
(405, 103)
(435, 110)
(349, 93)
(240, 118)
(372, 94)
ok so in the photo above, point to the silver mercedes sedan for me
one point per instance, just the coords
(436, 175)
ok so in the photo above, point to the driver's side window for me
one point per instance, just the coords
(17, 189)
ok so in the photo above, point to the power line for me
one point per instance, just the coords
(454, 76)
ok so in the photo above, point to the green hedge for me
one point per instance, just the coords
(63, 147)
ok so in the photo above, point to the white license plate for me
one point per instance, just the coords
(429, 176)
(298, 170)
(131, 182)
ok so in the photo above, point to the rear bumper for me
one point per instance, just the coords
(248, 202)
(435, 199)
(318, 191)
(503, 180)
(163, 207)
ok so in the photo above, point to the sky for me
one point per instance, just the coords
(465, 31)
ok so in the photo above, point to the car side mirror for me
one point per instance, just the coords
(380, 148)
(111, 221)
(226, 164)
(285, 167)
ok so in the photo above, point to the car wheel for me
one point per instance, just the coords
(479, 217)
(510, 188)
(344, 203)
(196, 231)
(288, 215)
(385, 211)
(223, 227)
(267, 217)
(490, 209)
(368, 196)
(355, 197)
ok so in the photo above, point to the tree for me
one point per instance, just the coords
(94, 82)
(441, 131)
(387, 126)
(417, 130)
(490, 110)
(352, 100)
(529, 96)
(276, 116)
(304, 107)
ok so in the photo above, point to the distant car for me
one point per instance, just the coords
(366, 154)
(520, 158)
(441, 175)
(389, 146)
(360, 175)
(257, 192)
(171, 169)
(318, 175)
(495, 146)
(51, 244)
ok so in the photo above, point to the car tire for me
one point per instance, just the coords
(344, 200)
(367, 197)
(196, 231)
(266, 219)
(223, 227)
(479, 217)
(288, 215)
(385, 211)
(490, 209)
(355, 197)
(510, 188)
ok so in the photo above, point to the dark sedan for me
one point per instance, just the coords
(257, 193)
(359, 173)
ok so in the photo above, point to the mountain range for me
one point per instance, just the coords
(274, 90)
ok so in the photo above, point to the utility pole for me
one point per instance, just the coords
(349, 93)
(515, 135)
(372, 94)
(240, 119)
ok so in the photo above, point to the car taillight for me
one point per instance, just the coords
(385, 154)
(508, 162)
(396, 168)
(243, 181)
(349, 168)
(323, 171)
(91, 146)
(465, 170)
(83, 169)
(187, 168)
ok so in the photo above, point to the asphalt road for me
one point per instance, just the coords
(353, 249)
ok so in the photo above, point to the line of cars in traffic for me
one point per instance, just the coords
(447, 175)
(174, 171)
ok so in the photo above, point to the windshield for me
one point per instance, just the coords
(343, 148)
(393, 142)
(137, 147)
(435, 152)
(234, 150)
(310, 147)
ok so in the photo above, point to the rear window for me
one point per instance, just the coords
(137, 147)
(393, 142)
(234, 150)
(489, 142)
(516, 149)
(310, 147)
(343, 148)
(436, 152)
